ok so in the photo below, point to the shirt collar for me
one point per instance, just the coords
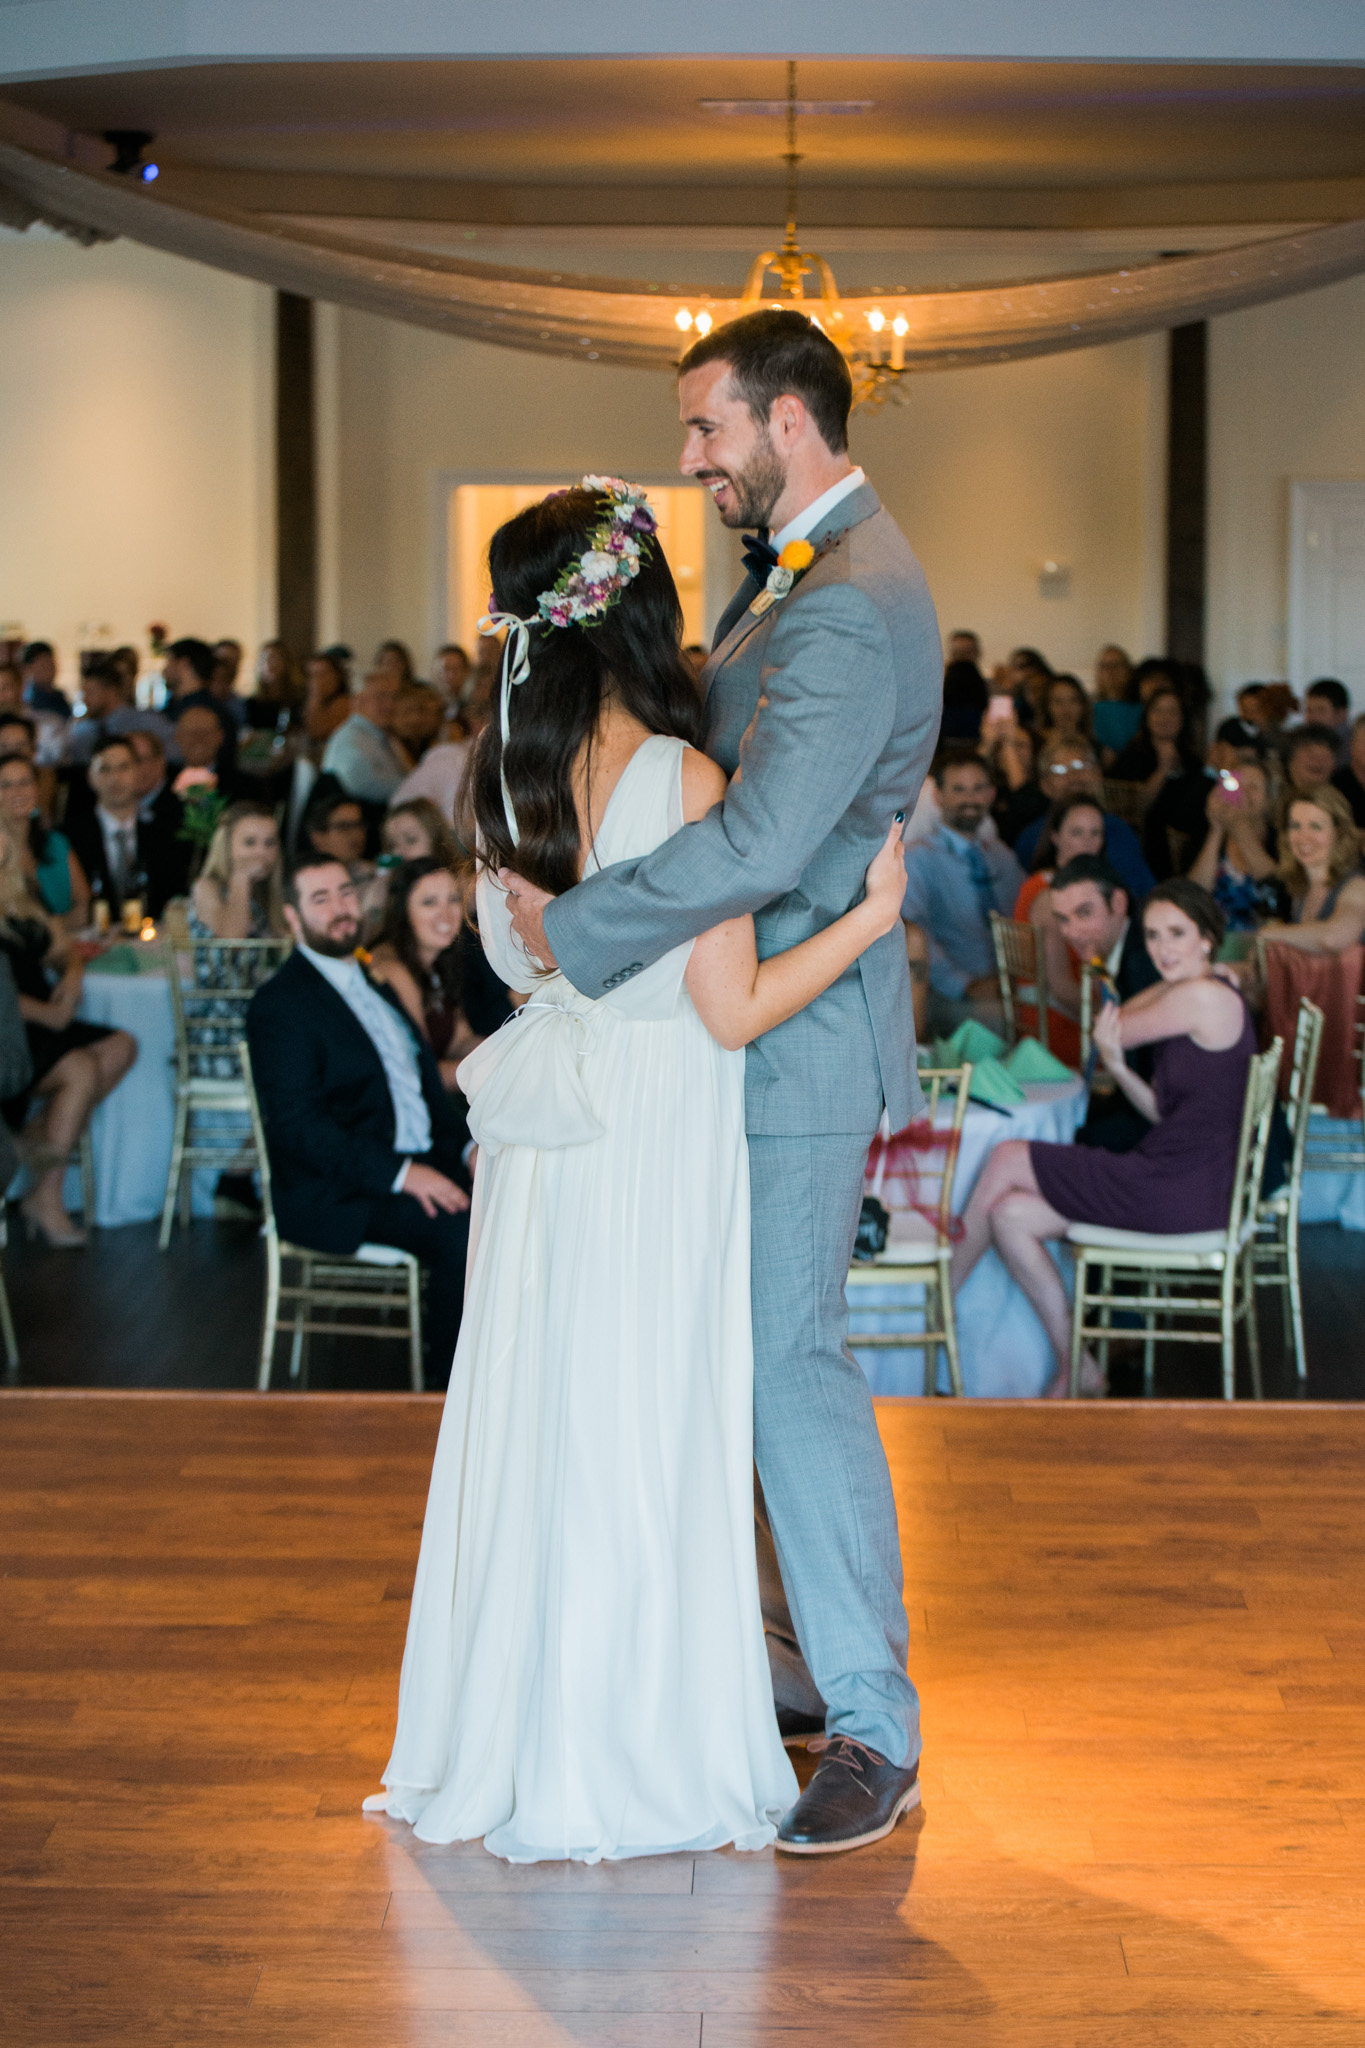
(958, 841)
(806, 522)
(1115, 956)
(342, 974)
(109, 823)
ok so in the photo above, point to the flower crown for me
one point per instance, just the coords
(584, 591)
(594, 581)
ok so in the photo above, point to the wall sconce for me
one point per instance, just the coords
(1054, 580)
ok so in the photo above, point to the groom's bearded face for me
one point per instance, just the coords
(728, 450)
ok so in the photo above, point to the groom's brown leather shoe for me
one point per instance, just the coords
(855, 1798)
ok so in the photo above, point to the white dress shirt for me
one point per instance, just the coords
(807, 521)
(393, 1041)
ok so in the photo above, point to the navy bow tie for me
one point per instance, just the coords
(758, 556)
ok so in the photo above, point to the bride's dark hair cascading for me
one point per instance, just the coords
(631, 655)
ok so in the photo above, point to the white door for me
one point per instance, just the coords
(1327, 583)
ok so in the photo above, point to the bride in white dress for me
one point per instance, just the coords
(585, 1673)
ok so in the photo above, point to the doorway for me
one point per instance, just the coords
(1327, 583)
(474, 512)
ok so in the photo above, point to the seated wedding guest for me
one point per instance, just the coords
(1350, 778)
(1074, 770)
(327, 703)
(124, 854)
(227, 663)
(1090, 920)
(1115, 712)
(1238, 862)
(334, 824)
(51, 869)
(1027, 675)
(1234, 742)
(964, 701)
(1327, 706)
(1163, 759)
(156, 799)
(1310, 759)
(394, 660)
(202, 741)
(239, 894)
(963, 645)
(107, 711)
(1066, 711)
(450, 673)
(1073, 826)
(419, 956)
(187, 669)
(365, 1145)
(1179, 1177)
(437, 777)
(953, 881)
(278, 691)
(418, 717)
(74, 1064)
(1010, 754)
(362, 754)
(11, 687)
(1320, 868)
(38, 668)
(416, 830)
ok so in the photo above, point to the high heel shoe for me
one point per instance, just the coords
(57, 1240)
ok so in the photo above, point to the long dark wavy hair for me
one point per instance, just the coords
(632, 656)
(444, 977)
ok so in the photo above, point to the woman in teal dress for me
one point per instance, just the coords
(51, 867)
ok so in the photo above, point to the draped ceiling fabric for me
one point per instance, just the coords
(621, 322)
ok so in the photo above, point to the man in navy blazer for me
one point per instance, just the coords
(365, 1145)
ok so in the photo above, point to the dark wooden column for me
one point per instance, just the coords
(1187, 492)
(296, 511)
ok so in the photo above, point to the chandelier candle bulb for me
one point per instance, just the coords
(703, 323)
(682, 318)
(876, 320)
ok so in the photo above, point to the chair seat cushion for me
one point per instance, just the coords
(1099, 1236)
(364, 1255)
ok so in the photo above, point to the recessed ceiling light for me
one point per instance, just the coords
(782, 107)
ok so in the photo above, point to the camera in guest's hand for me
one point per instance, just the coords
(1231, 788)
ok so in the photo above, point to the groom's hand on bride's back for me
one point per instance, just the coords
(527, 905)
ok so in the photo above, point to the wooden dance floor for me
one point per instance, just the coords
(1140, 1637)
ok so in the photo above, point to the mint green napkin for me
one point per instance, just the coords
(1030, 1061)
(971, 1041)
(992, 1082)
(123, 960)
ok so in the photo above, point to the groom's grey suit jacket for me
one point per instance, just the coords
(852, 669)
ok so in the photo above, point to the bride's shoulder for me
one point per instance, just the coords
(703, 784)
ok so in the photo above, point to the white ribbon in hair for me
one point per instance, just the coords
(516, 666)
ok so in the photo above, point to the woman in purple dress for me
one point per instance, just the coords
(1179, 1176)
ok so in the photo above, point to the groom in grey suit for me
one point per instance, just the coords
(835, 688)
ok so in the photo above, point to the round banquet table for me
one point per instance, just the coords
(1003, 1350)
(131, 1131)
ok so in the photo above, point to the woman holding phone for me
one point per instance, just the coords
(1237, 863)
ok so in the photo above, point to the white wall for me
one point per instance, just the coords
(1287, 386)
(135, 428)
(136, 436)
(990, 472)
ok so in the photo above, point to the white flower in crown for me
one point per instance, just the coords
(598, 567)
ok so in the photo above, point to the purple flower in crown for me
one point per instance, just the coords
(643, 520)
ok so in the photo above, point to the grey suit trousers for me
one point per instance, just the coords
(840, 1639)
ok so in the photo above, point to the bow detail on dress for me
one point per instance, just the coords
(524, 1085)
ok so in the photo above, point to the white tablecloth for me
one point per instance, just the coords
(1003, 1350)
(131, 1130)
(1334, 1197)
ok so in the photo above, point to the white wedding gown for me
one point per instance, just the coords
(585, 1672)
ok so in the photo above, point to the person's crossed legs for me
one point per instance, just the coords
(1007, 1209)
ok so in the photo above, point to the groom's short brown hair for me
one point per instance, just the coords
(778, 351)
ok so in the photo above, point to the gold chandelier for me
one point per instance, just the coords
(876, 366)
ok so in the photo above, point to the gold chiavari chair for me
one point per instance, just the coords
(1212, 1269)
(1021, 964)
(925, 1263)
(1275, 1252)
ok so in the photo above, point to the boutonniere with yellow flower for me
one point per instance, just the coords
(793, 562)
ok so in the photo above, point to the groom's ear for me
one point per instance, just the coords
(787, 417)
